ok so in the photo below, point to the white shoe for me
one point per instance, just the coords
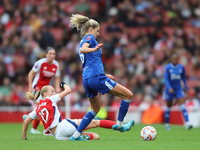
(24, 117)
(34, 131)
(188, 127)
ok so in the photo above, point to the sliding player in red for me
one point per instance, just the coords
(54, 123)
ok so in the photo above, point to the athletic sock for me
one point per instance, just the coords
(122, 111)
(185, 113)
(36, 123)
(167, 115)
(107, 124)
(84, 123)
(91, 136)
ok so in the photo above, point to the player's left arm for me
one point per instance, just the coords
(110, 76)
(25, 127)
(184, 78)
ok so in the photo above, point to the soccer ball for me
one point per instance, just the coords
(148, 133)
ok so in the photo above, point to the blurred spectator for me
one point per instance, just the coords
(192, 104)
(5, 93)
(139, 36)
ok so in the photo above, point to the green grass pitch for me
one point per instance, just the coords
(177, 139)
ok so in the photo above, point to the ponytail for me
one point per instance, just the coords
(32, 96)
(82, 23)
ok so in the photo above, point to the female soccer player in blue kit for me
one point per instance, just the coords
(94, 78)
(174, 73)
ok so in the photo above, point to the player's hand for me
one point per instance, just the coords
(111, 77)
(171, 91)
(98, 47)
(62, 84)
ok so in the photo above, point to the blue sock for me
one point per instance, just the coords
(123, 109)
(184, 112)
(167, 114)
(86, 120)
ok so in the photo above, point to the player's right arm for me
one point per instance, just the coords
(31, 76)
(25, 127)
(31, 117)
(85, 48)
(167, 78)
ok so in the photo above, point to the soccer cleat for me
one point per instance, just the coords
(125, 127)
(115, 127)
(24, 117)
(87, 137)
(188, 127)
(80, 138)
(128, 126)
(34, 131)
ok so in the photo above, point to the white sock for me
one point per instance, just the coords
(119, 123)
(76, 134)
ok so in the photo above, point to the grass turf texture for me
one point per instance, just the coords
(177, 139)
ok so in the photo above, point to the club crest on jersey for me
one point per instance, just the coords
(170, 70)
(53, 69)
(88, 38)
(36, 66)
(180, 70)
(45, 67)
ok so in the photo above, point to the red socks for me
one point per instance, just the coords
(107, 124)
(91, 136)
(36, 123)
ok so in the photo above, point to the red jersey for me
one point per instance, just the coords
(45, 72)
(48, 112)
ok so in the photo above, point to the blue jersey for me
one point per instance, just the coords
(91, 62)
(173, 76)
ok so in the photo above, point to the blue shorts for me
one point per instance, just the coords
(169, 96)
(99, 83)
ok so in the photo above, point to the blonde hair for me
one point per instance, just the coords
(34, 97)
(82, 23)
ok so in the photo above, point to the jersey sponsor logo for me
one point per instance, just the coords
(48, 73)
(36, 66)
(88, 38)
(175, 77)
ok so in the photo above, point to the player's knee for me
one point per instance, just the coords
(96, 123)
(96, 110)
(130, 96)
